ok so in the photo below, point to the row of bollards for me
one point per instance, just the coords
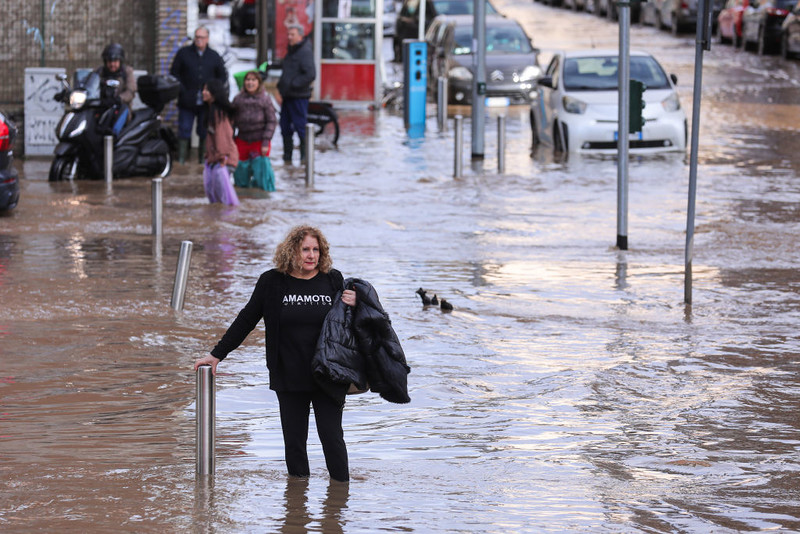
(458, 164)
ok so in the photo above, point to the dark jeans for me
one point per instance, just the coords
(295, 408)
(186, 117)
(294, 115)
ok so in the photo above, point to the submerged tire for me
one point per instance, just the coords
(61, 169)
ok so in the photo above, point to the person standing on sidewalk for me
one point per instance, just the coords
(294, 87)
(293, 299)
(194, 65)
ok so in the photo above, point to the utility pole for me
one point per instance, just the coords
(479, 78)
(623, 124)
(702, 42)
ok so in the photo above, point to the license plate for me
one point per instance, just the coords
(633, 137)
(497, 101)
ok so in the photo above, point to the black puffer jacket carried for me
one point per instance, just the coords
(359, 346)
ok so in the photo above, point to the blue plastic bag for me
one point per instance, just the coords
(218, 186)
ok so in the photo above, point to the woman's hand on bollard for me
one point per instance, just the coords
(208, 360)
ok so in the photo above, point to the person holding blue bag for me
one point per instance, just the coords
(255, 120)
(221, 153)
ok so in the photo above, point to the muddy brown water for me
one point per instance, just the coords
(571, 390)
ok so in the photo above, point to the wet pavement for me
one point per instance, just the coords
(571, 390)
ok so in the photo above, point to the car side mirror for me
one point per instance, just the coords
(546, 81)
(674, 78)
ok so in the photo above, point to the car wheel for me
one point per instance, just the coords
(535, 141)
(62, 169)
(559, 139)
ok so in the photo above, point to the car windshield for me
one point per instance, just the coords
(506, 39)
(600, 73)
(459, 7)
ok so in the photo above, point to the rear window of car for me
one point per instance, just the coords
(600, 73)
(506, 39)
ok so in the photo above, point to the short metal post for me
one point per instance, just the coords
(181, 275)
(309, 155)
(501, 144)
(108, 157)
(459, 142)
(205, 420)
(157, 209)
(441, 102)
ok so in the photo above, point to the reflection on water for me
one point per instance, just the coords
(569, 390)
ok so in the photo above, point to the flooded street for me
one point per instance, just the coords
(570, 390)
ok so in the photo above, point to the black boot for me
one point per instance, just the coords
(303, 151)
(201, 151)
(288, 146)
(183, 150)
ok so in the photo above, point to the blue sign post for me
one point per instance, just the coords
(415, 85)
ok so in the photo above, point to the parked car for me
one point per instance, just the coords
(203, 4)
(576, 109)
(243, 17)
(9, 181)
(574, 5)
(790, 34)
(407, 26)
(729, 22)
(675, 15)
(761, 24)
(512, 63)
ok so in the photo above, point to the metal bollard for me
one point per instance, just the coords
(157, 209)
(309, 155)
(205, 420)
(108, 157)
(459, 148)
(181, 275)
(501, 144)
(441, 102)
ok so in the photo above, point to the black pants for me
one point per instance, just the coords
(295, 408)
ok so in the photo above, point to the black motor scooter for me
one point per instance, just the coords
(142, 148)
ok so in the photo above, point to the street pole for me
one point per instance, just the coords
(623, 139)
(479, 79)
(702, 41)
(262, 32)
(421, 28)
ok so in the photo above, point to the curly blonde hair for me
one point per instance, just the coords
(287, 254)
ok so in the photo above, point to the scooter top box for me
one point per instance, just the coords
(156, 90)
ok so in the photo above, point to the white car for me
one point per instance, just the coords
(576, 109)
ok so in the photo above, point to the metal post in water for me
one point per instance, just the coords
(459, 142)
(501, 144)
(181, 275)
(623, 122)
(205, 420)
(309, 155)
(441, 103)
(108, 157)
(157, 209)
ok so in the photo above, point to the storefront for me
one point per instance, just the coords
(348, 54)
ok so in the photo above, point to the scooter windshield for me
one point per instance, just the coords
(92, 86)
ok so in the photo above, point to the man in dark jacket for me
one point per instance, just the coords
(193, 66)
(294, 87)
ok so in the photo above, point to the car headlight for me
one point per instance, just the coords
(671, 103)
(573, 105)
(77, 99)
(528, 73)
(461, 73)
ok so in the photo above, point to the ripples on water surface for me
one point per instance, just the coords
(570, 390)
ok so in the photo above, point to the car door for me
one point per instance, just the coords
(549, 100)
